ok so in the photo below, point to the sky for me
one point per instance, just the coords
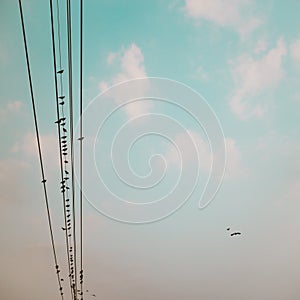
(233, 64)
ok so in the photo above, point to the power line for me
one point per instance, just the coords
(63, 178)
(59, 47)
(40, 152)
(69, 27)
(80, 150)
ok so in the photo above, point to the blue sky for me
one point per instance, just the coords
(243, 57)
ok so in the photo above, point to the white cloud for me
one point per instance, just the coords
(230, 13)
(234, 166)
(182, 140)
(49, 145)
(11, 107)
(131, 65)
(253, 76)
(11, 174)
(295, 51)
(111, 57)
(261, 46)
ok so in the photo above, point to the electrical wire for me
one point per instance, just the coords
(81, 149)
(40, 152)
(63, 178)
(69, 27)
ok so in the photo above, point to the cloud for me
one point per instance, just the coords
(295, 51)
(49, 145)
(131, 65)
(229, 13)
(10, 108)
(234, 166)
(11, 176)
(261, 46)
(253, 76)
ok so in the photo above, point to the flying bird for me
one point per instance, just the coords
(235, 233)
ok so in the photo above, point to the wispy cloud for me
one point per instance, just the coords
(11, 172)
(234, 166)
(232, 14)
(131, 65)
(295, 51)
(252, 76)
(10, 108)
(27, 147)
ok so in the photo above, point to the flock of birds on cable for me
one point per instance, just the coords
(66, 199)
(66, 188)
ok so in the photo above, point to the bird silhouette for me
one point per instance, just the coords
(235, 233)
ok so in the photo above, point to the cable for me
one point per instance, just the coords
(63, 179)
(69, 22)
(80, 151)
(40, 152)
(59, 47)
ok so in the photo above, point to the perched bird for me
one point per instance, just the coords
(60, 71)
(228, 228)
(63, 228)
